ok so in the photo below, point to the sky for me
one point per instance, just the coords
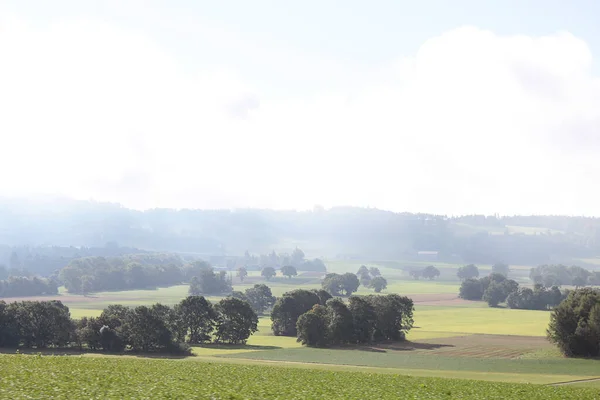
(461, 107)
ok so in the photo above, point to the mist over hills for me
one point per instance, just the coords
(346, 232)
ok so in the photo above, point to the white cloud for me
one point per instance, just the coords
(474, 122)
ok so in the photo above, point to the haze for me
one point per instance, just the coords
(445, 107)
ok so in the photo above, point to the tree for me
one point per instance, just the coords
(364, 276)
(197, 318)
(337, 284)
(288, 308)
(3, 272)
(394, 316)
(416, 274)
(14, 261)
(289, 271)
(235, 321)
(9, 330)
(297, 257)
(195, 287)
(42, 323)
(312, 327)
(148, 331)
(374, 271)
(378, 284)
(494, 294)
(242, 273)
(333, 283)
(260, 298)
(363, 319)
(268, 273)
(350, 283)
(87, 284)
(500, 268)
(363, 270)
(471, 289)
(340, 323)
(468, 272)
(575, 324)
(579, 281)
(323, 295)
(430, 272)
(314, 265)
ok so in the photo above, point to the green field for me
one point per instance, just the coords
(26, 377)
(451, 338)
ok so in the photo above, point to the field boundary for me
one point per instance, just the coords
(574, 382)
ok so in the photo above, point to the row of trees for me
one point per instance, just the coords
(155, 328)
(348, 283)
(371, 278)
(430, 272)
(210, 282)
(276, 260)
(366, 319)
(93, 274)
(497, 288)
(259, 297)
(471, 271)
(538, 298)
(24, 286)
(551, 275)
(44, 260)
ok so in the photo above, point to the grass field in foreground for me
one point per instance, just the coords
(25, 377)
(576, 368)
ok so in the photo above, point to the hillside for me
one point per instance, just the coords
(342, 232)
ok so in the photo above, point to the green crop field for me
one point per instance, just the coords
(67, 377)
(451, 338)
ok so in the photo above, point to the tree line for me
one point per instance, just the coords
(94, 274)
(318, 319)
(557, 275)
(351, 231)
(195, 320)
(45, 260)
(348, 283)
(497, 288)
(17, 286)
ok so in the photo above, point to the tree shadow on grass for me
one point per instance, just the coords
(71, 351)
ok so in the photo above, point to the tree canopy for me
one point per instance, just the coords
(575, 324)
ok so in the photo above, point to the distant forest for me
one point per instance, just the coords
(81, 229)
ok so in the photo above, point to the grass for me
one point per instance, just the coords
(26, 377)
(500, 321)
(574, 368)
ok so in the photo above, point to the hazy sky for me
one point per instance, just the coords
(450, 107)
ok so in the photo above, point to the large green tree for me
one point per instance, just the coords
(268, 273)
(312, 327)
(468, 272)
(288, 308)
(260, 298)
(575, 324)
(289, 271)
(235, 321)
(197, 317)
